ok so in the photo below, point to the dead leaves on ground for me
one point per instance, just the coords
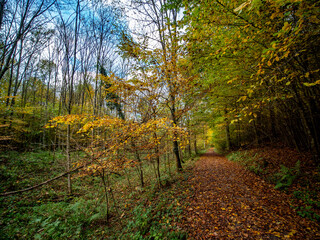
(225, 201)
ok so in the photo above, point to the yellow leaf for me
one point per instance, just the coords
(311, 84)
(286, 54)
(243, 98)
(286, 26)
(250, 91)
(273, 15)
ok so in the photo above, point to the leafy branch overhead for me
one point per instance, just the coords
(109, 151)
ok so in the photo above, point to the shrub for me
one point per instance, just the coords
(249, 162)
(60, 220)
(286, 176)
(149, 223)
(310, 201)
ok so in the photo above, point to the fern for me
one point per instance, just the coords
(286, 176)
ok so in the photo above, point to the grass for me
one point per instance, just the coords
(49, 213)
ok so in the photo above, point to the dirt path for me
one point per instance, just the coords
(225, 201)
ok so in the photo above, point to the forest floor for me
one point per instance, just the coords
(226, 201)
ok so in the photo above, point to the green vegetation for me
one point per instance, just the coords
(282, 179)
(25, 169)
(154, 221)
(286, 176)
(310, 203)
(252, 163)
(293, 180)
(48, 213)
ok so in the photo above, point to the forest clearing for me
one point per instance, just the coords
(159, 119)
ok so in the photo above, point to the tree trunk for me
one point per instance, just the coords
(227, 135)
(158, 162)
(140, 170)
(195, 144)
(105, 189)
(176, 153)
(68, 159)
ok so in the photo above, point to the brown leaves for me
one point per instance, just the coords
(229, 202)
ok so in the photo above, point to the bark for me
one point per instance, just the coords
(105, 189)
(227, 132)
(69, 159)
(139, 165)
(2, 7)
(158, 162)
(176, 153)
(195, 144)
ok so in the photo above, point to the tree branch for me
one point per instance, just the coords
(43, 183)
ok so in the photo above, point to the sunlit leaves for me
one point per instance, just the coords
(253, 54)
(113, 138)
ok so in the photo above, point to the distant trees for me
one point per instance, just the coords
(18, 20)
(21, 40)
(50, 55)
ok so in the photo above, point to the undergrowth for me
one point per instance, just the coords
(154, 221)
(285, 177)
(282, 179)
(305, 202)
(310, 203)
(49, 213)
(251, 163)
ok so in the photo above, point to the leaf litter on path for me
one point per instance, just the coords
(225, 201)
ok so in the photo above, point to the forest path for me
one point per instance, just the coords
(225, 201)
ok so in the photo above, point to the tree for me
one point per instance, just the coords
(20, 18)
(161, 67)
(261, 49)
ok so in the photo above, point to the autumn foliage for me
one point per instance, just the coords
(112, 95)
(260, 58)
